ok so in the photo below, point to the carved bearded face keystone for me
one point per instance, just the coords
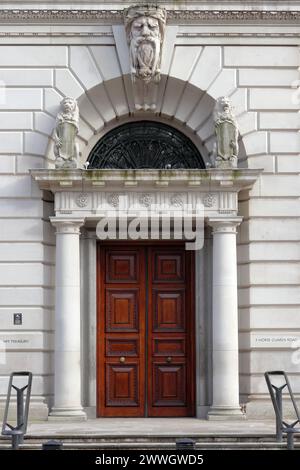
(145, 31)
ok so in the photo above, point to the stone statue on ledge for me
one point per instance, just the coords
(226, 129)
(145, 29)
(65, 147)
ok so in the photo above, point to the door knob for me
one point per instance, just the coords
(169, 359)
(122, 359)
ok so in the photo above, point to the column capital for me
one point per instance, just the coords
(224, 224)
(66, 225)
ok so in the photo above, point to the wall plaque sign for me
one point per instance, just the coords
(274, 340)
(18, 318)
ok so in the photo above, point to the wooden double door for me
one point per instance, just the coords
(145, 330)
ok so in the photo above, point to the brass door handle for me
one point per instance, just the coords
(169, 359)
(122, 359)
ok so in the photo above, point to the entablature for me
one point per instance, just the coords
(92, 193)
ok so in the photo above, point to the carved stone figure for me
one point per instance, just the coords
(226, 129)
(145, 28)
(65, 147)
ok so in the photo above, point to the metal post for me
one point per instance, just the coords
(15, 441)
(20, 412)
(290, 440)
(278, 392)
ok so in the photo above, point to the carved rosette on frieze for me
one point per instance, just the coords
(113, 199)
(145, 30)
(146, 199)
(82, 200)
(226, 130)
(209, 200)
(177, 200)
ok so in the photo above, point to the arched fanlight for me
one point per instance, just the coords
(145, 144)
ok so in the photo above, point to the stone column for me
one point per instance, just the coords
(67, 388)
(225, 321)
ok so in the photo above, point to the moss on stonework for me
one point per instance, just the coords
(236, 174)
(131, 174)
(93, 174)
(205, 174)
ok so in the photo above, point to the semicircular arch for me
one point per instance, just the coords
(145, 144)
(188, 109)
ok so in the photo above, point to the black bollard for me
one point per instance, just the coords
(52, 445)
(185, 444)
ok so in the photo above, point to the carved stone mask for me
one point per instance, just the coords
(145, 28)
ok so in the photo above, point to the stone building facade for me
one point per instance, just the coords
(204, 50)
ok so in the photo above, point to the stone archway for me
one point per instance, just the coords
(192, 115)
(180, 103)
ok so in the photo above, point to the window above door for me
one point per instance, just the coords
(145, 144)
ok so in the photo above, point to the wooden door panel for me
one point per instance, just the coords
(122, 347)
(168, 310)
(121, 385)
(169, 347)
(122, 266)
(122, 308)
(168, 266)
(169, 385)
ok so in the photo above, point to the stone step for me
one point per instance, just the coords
(165, 446)
(158, 446)
(101, 438)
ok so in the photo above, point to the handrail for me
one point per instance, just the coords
(17, 432)
(282, 426)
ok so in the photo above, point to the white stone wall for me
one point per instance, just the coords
(260, 76)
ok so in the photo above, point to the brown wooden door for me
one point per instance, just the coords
(145, 331)
(171, 333)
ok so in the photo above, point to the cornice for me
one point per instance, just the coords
(116, 16)
(109, 35)
(106, 179)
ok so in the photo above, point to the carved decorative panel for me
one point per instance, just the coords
(169, 385)
(168, 266)
(169, 310)
(121, 385)
(122, 347)
(122, 310)
(169, 347)
(145, 144)
(121, 266)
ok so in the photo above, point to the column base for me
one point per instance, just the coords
(67, 414)
(224, 413)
